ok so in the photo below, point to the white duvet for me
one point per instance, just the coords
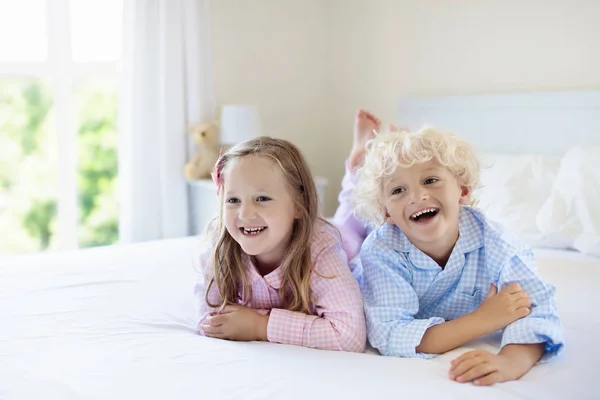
(119, 323)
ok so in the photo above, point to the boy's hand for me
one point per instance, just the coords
(498, 310)
(484, 368)
(236, 322)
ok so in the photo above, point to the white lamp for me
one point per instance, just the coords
(239, 123)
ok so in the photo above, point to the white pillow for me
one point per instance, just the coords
(573, 210)
(514, 189)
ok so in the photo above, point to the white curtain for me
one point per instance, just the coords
(166, 85)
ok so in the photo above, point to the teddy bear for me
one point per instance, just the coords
(206, 137)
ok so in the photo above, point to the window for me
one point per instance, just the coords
(59, 72)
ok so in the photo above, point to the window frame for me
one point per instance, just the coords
(62, 74)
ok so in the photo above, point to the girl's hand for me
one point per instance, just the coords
(236, 322)
(484, 368)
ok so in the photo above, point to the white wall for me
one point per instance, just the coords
(310, 64)
(274, 53)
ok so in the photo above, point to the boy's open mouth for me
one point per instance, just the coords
(425, 215)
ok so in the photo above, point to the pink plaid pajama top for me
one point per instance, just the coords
(337, 320)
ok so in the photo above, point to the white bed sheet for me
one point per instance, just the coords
(119, 322)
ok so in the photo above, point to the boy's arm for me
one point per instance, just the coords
(451, 334)
(390, 302)
(484, 368)
(496, 312)
(524, 356)
(543, 324)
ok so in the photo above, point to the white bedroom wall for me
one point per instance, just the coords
(383, 49)
(310, 64)
(274, 54)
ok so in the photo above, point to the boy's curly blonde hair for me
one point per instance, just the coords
(402, 149)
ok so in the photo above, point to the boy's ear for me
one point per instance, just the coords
(388, 219)
(465, 195)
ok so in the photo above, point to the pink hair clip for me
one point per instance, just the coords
(217, 175)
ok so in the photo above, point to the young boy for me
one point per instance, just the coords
(436, 273)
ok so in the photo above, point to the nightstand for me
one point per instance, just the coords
(205, 202)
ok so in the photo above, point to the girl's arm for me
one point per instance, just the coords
(339, 323)
(204, 310)
(204, 276)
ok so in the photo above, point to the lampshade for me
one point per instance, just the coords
(239, 123)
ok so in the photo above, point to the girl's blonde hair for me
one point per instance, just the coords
(228, 259)
(402, 149)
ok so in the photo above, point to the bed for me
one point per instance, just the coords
(118, 322)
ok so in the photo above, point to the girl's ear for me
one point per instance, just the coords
(297, 211)
(465, 195)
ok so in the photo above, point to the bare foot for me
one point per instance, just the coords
(365, 126)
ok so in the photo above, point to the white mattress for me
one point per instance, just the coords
(119, 322)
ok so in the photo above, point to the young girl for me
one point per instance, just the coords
(436, 272)
(277, 272)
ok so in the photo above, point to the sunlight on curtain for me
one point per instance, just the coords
(166, 85)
